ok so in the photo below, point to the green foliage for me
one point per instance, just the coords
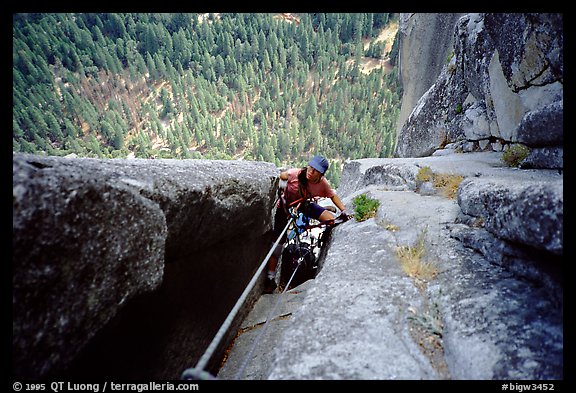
(424, 174)
(364, 207)
(430, 320)
(241, 86)
(458, 108)
(514, 155)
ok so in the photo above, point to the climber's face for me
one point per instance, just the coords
(312, 174)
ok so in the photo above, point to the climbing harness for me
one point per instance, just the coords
(198, 372)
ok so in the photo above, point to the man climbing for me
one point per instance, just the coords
(300, 184)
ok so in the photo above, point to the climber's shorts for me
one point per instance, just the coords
(312, 210)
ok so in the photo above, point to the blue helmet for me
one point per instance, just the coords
(319, 163)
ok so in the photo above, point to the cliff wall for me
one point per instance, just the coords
(502, 87)
(128, 267)
(425, 42)
(116, 262)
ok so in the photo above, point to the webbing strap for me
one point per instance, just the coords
(198, 371)
(295, 202)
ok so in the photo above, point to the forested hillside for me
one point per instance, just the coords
(271, 87)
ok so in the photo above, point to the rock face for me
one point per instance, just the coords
(132, 265)
(491, 305)
(529, 213)
(503, 86)
(493, 308)
(91, 237)
(426, 41)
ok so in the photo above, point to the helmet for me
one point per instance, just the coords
(319, 163)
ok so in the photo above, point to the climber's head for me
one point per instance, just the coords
(316, 169)
(319, 163)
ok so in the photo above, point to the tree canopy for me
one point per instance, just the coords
(255, 86)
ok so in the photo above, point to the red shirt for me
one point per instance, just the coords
(320, 189)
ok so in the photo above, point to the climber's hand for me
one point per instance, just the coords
(344, 215)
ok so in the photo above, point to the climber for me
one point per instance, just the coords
(300, 184)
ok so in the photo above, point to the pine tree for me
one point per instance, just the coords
(151, 43)
(89, 72)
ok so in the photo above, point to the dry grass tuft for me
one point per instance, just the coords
(410, 258)
(448, 184)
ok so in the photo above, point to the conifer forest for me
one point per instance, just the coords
(247, 86)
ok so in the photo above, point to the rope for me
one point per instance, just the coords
(259, 337)
(256, 342)
(198, 371)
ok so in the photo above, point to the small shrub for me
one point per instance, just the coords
(514, 155)
(364, 207)
(424, 174)
(430, 321)
(458, 108)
